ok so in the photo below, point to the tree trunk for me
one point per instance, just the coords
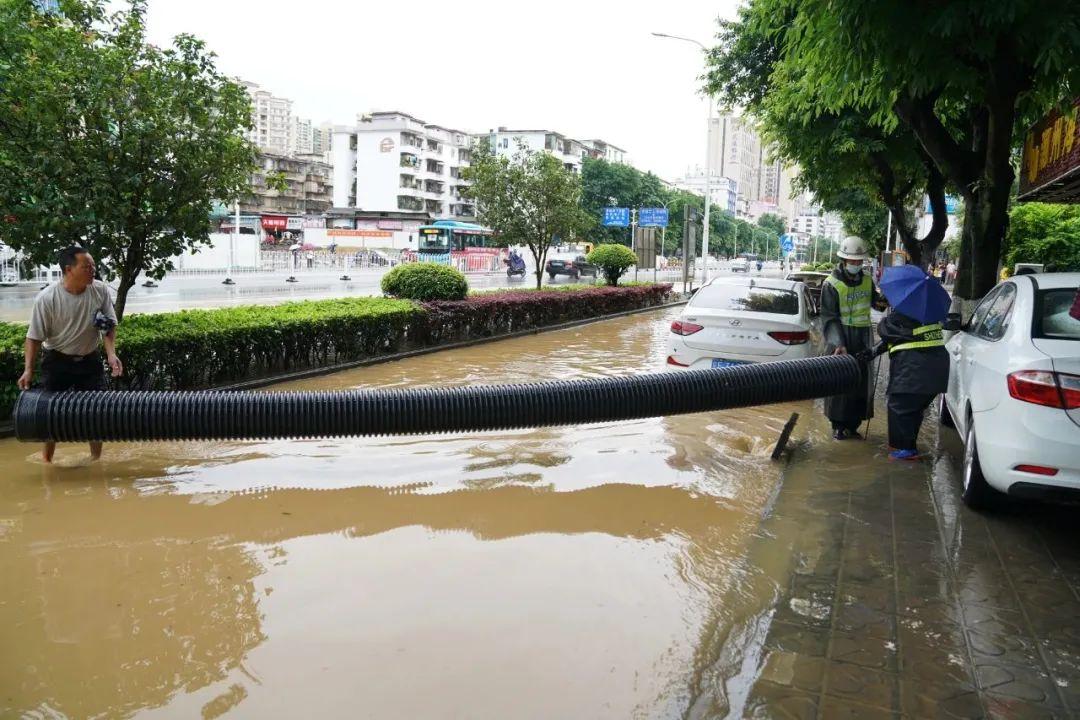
(986, 218)
(981, 166)
(539, 253)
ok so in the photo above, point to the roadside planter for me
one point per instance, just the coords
(200, 349)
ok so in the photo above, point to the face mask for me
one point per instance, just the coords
(852, 269)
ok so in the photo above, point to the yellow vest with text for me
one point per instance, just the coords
(927, 336)
(854, 301)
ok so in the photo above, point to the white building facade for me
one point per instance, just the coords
(272, 120)
(394, 162)
(723, 191)
(569, 151)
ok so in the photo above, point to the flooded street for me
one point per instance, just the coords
(636, 569)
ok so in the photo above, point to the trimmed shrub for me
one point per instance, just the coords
(425, 281)
(499, 313)
(613, 260)
(196, 349)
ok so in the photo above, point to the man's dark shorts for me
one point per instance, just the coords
(66, 372)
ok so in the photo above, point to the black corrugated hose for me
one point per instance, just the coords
(240, 415)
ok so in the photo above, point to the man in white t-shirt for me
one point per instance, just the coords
(69, 320)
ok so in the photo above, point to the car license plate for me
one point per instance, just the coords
(722, 363)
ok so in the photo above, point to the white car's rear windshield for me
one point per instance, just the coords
(1052, 318)
(747, 299)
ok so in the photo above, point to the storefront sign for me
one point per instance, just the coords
(314, 222)
(295, 223)
(391, 225)
(275, 222)
(339, 232)
(1051, 152)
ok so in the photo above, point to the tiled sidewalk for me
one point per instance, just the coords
(904, 603)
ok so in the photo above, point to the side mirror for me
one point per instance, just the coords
(953, 322)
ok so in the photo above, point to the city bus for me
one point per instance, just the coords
(466, 246)
(452, 236)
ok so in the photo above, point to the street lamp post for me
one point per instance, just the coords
(708, 166)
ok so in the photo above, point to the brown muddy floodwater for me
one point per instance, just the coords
(594, 571)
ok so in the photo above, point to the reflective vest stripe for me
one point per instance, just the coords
(854, 301)
(929, 336)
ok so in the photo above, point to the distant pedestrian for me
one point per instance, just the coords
(950, 272)
(332, 248)
(310, 259)
(68, 321)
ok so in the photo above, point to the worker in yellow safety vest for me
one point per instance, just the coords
(918, 372)
(846, 298)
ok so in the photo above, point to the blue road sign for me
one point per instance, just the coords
(653, 217)
(787, 243)
(616, 217)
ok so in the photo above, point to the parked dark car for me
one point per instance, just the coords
(574, 267)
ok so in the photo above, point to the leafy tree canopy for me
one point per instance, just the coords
(528, 199)
(112, 143)
(1045, 233)
(965, 77)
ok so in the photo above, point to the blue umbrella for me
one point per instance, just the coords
(914, 293)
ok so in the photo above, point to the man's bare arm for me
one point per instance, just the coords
(30, 353)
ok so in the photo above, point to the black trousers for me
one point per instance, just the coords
(905, 418)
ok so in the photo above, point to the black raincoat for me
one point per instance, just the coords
(848, 410)
(922, 371)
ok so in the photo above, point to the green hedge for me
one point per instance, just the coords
(425, 281)
(196, 349)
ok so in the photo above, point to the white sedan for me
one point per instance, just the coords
(738, 320)
(1014, 391)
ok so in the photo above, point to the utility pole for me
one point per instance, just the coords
(633, 237)
(232, 243)
(708, 164)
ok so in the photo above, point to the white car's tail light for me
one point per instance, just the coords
(1037, 470)
(1042, 387)
(682, 327)
(800, 337)
(672, 361)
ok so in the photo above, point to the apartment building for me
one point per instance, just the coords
(602, 150)
(735, 151)
(723, 191)
(308, 191)
(506, 142)
(300, 136)
(392, 161)
(272, 119)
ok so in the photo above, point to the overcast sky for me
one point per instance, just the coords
(585, 68)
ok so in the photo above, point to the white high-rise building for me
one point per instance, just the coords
(321, 139)
(394, 162)
(735, 152)
(300, 136)
(272, 118)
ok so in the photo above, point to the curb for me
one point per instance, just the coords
(7, 429)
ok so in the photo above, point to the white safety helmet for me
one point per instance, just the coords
(853, 248)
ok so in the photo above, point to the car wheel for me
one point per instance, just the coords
(944, 416)
(977, 494)
(551, 276)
